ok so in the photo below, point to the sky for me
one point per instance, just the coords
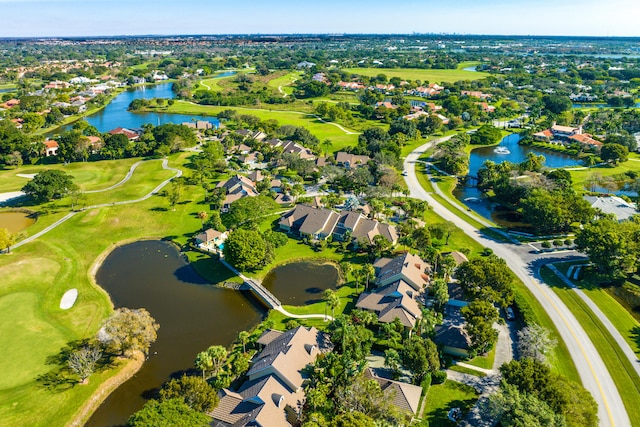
(59, 18)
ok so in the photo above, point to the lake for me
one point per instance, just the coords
(115, 114)
(301, 283)
(192, 316)
(475, 200)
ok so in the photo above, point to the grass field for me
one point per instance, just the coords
(622, 372)
(285, 81)
(87, 175)
(212, 83)
(323, 131)
(580, 177)
(442, 397)
(34, 329)
(431, 76)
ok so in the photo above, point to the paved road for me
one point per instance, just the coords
(589, 364)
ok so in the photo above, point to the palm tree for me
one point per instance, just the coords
(243, 336)
(326, 146)
(202, 215)
(203, 362)
(332, 299)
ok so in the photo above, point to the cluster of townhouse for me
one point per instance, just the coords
(272, 393)
(567, 135)
(400, 292)
(317, 223)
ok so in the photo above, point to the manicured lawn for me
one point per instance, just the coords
(442, 397)
(285, 81)
(321, 130)
(484, 362)
(33, 329)
(87, 175)
(212, 83)
(622, 372)
(466, 370)
(617, 314)
(580, 177)
(431, 76)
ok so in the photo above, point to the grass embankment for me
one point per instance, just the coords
(431, 76)
(322, 130)
(442, 397)
(33, 329)
(622, 372)
(484, 362)
(617, 313)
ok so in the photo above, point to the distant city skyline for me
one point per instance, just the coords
(72, 18)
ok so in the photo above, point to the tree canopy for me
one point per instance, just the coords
(48, 185)
(488, 278)
(168, 413)
(129, 330)
(245, 249)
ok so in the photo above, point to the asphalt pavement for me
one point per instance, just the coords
(592, 370)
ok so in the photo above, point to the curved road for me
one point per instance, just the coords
(592, 370)
(165, 165)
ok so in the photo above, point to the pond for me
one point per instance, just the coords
(302, 282)
(115, 114)
(192, 316)
(15, 221)
(474, 199)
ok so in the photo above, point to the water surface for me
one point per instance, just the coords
(192, 316)
(16, 221)
(302, 282)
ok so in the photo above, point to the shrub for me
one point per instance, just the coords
(546, 244)
(438, 377)
(487, 251)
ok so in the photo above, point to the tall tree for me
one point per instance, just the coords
(420, 356)
(7, 239)
(48, 185)
(172, 412)
(194, 391)
(534, 342)
(245, 249)
(332, 300)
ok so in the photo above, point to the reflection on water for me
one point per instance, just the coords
(475, 200)
(301, 283)
(192, 316)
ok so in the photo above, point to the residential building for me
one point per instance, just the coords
(397, 300)
(318, 224)
(51, 147)
(408, 267)
(293, 148)
(475, 94)
(566, 135)
(131, 135)
(237, 187)
(406, 397)
(273, 392)
(451, 334)
(349, 160)
(211, 239)
(614, 205)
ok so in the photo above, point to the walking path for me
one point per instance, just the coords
(592, 370)
(165, 165)
(125, 179)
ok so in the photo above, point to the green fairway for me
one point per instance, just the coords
(212, 83)
(431, 76)
(622, 372)
(581, 176)
(338, 136)
(33, 328)
(284, 82)
(87, 175)
(442, 397)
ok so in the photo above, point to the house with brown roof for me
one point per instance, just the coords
(292, 148)
(130, 134)
(567, 135)
(397, 300)
(210, 239)
(312, 223)
(408, 267)
(237, 187)
(320, 223)
(273, 392)
(406, 397)
(451, 335)
(349, 160)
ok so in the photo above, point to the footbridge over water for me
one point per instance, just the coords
(255, 286)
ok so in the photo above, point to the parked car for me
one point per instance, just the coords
(510, 314)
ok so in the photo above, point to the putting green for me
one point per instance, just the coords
(24, 354)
